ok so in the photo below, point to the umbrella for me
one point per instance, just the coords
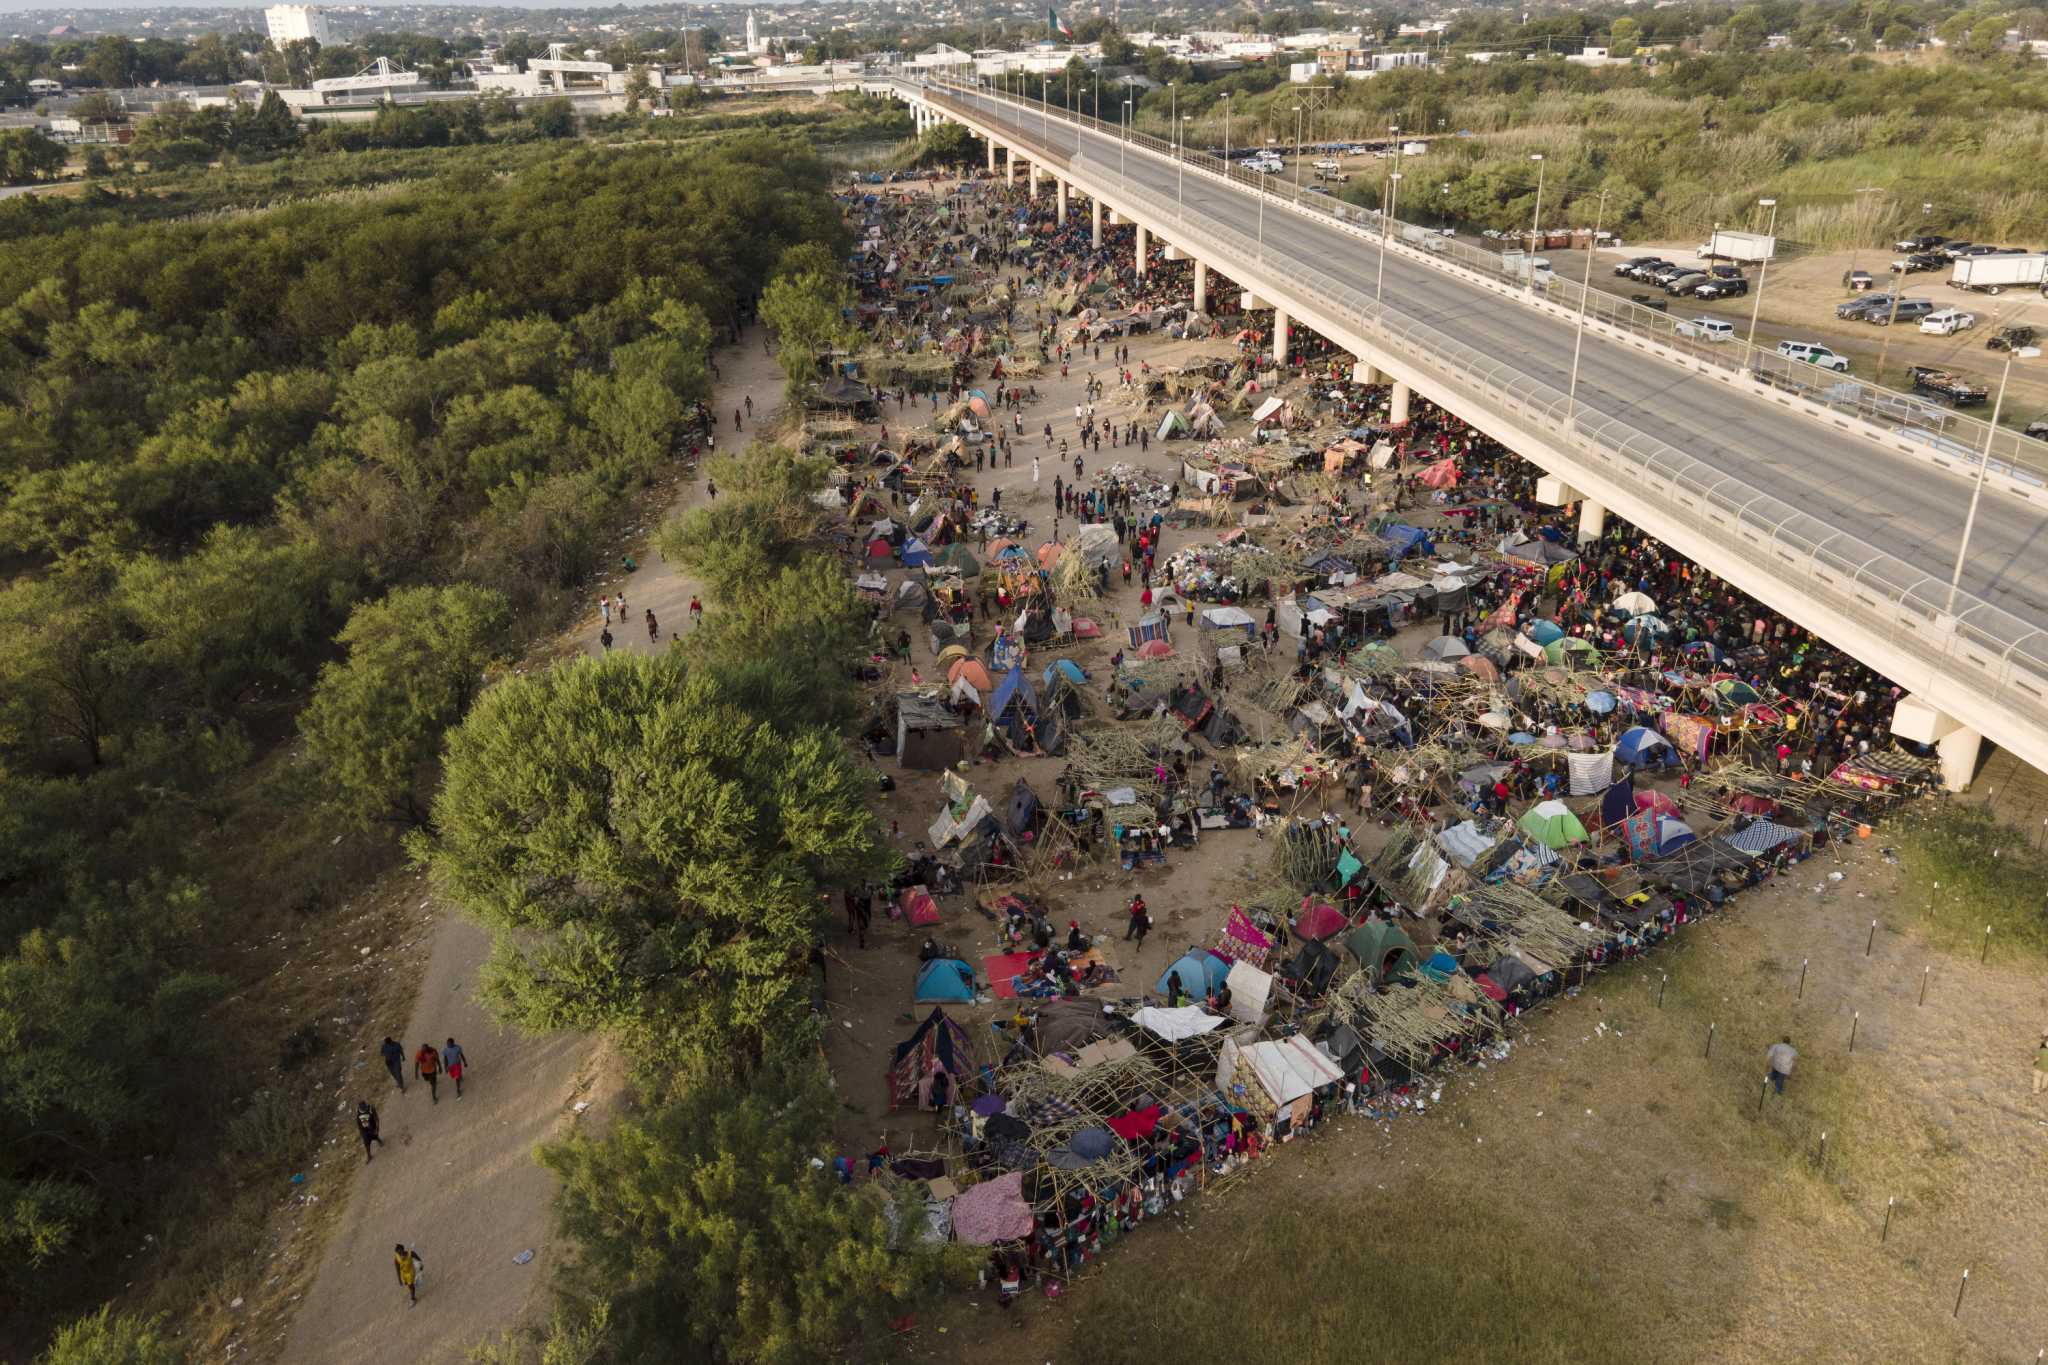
(1635, 603)
(1552, 740)
(1479, 666)
(1638, 743)
(1521, 737)
(1737, 691)
(1445, 647)
(1600, 703)
(1634, 630)
(1707, 647)
(1544, 631)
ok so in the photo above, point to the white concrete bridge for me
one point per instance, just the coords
(1809, 500)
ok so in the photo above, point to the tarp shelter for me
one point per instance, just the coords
(959, 559)
(1403, 540)
(945, 979)
(1311, 968)
(1201, 972)
(918, 906)
(927, 732)
(1023, 808)
(938, 1039)
(1617, 803)
(1285, 1071)
(1763, 836)
(1014, 691)
(1570, 650)
(1189, 1021)
(1552, 824)
(1382, 950)
(1067, 1025)
(993, 1211)
(1540, 553)
(916, 554)
(1250, 990)
(1095, 543)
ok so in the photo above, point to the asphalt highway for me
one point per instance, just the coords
(1877, 496)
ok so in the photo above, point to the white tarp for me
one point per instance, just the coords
(1222, 618)
(1189, 1021)
(946, 829)
(1286, 1069)
(1382, 454)
(1464, 843)
(1591, 772)
(1249, 989)
(1266, 409)
(1528, 646)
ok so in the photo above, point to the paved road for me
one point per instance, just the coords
(1883, 498)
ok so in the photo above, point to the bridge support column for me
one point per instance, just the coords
(1592, 520)
(1095, 223)
(1144, 248)
(1009, 165)
(1061, 212)
(1397, 412)
(1364, 372)
(1956, 743)
(1034, 174)
(1201, 287)
(1281, 323)
(991, 156)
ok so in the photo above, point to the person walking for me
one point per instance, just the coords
(2041, 1065)
(453, 1058)
(1034, 469)
(411, 1269)
(394, 1061)
(426, 1064)
(604, 637)
(696, 611)
(1141, 922)
(1782, 1057)
(653, 627)
(750, 403)
(366, 1126)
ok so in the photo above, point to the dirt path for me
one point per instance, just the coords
(458, 1178)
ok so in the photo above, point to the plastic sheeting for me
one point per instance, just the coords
(1189, 1021)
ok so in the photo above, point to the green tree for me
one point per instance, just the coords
(647, 852)
(706, 1227)
(26, 155)
(66, 668)
(946, 144)
(1622, 37)
(1747, 29)
(416, 659)
(1898, 37)
(553, 118)
(762, 521)
(806, 304)
(110, 1338)
(639, 89)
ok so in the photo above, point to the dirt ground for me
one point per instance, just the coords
(1798, 304)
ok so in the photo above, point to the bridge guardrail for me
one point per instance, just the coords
(1945, 430)
(2005, 657)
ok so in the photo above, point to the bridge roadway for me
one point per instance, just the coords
(1837, 478)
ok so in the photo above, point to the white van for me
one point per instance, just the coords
(1707, 329)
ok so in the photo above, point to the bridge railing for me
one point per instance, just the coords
(1994, 652)
(1961, 438)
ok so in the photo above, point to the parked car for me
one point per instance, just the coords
(1919, 262)
(2038, 428)
(1685, 282)
(1906, 310)
(1628, 266)
(1721, 289)
(1980, 250)
(1948, 322)
(1947, 387)
(1666, 274)
(1955, 251)
(1649, 301)
(1855, 309)
(1813, 353)
(2010, 338)
(1707, 329)
(1858, 280)
(1725, 272)
(1926, 241)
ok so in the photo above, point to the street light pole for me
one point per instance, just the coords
(1386, 232)
(1571, 400)
(1756, 305)
(1535, 220)
(1180, 161)
(1123, 146)
(1983, 464)
(1226, 132)
(1297, 151)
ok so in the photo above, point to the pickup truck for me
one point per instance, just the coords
(1946, 387)
(1813, 353)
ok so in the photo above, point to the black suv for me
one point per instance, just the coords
(1722, 289)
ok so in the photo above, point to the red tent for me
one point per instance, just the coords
(1318, 920)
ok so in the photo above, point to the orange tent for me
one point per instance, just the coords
(976, 675)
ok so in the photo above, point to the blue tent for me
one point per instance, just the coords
(945, 978)
(1542, 632)
(1617, 803)
(1639, 745)
(1068, 669)
(1673, 834)
(1013, 686)
(1201, 972)
(1403, 539)
(916, 554)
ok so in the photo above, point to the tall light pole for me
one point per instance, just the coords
(1180, 159)
(1571, 400)
(1262, 203)
(1297, 150)
(1123, 146)
(1983, 463)
(1756, 305)
(1535, 220)
(1045, 108)
(1386, 232)
(1226, 132)
(1172, 103)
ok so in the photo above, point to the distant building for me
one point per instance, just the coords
(296, 24)
(64, 31)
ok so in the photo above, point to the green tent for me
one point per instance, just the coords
(1552, 824)
(1557, 650)
(958, 558)
(1383, 951)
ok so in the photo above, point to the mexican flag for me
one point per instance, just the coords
(1059, 26)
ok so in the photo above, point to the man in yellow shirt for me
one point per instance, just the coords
(410, 1266)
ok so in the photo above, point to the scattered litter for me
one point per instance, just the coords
(235, 1303)
(523, 1257)
(298, 1177)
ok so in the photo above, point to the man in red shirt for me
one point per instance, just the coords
(426, 1064)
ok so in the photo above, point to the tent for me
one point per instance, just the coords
(1543, 631)
(1318, 920)
(1552, 824)
(927, 733)
(1023, 808)
(1382, 950)
(1445, 647)
(1311, 968)
(1065, 668)
(1201, 972)
(938, 1039)
(1635, 603)
(1402, 540)
(945, 978)
(993, 1211)
(971, 671)
(916, 554)
(1283, 1072)
(959, 559)
(1171, 425)
(1617, 803)
(918, 906)
(1639, 745)
(1569, 649)
(1540, 553)
(1229, 618)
